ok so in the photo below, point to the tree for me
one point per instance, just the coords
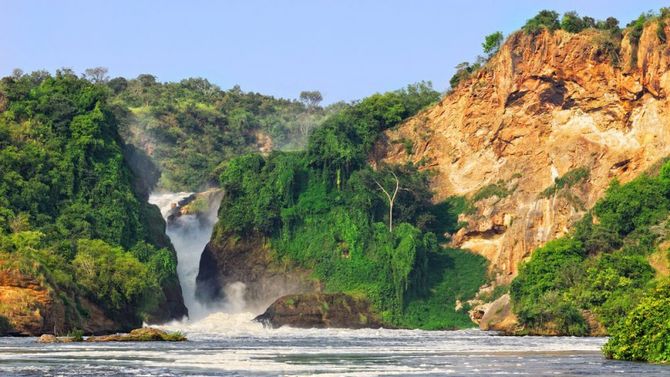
(390, 197)
(571, 22)
(463, 71)
(611, 23)
(545, 19)
(117, 84)
(311, 98)
(589, 22)
(97, 75)
(492, 43)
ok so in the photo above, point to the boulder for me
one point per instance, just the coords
(320, 310)
(499, 316)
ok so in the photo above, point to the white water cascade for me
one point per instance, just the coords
(189, 234)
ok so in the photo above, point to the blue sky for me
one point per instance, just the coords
(347, 49)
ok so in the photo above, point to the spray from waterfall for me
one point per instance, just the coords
(189, 233)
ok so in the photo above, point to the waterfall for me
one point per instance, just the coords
(189, 234)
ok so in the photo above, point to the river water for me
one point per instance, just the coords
(224, 341)
(231, 345)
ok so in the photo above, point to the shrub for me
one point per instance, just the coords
(545, 19)
(571, 22)
(644, 334)
(569, 179)
(498, 189)
(492, 43)
(463, 71)
(114, 278)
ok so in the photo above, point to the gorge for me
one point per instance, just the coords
(532, 198)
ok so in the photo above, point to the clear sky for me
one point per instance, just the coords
(347, 49)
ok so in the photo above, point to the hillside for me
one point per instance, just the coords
(534, 137)
(189, 128)
(80, 247)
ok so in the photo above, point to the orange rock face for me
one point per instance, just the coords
(27, 307)
(544, 106)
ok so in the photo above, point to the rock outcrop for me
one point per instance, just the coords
(498, 316)
(229, 259)
(144, 334)
(544, 106)
(27, 305)
(320, 310)
(30, 306)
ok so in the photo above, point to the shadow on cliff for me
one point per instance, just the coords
(445, 217)
(5, 326)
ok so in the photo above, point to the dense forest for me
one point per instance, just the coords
(326, 209)
(72, 212)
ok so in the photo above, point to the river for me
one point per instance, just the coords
(231, 345)
(224, 341)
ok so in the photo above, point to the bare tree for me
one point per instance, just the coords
(97, 74)
(391, 198)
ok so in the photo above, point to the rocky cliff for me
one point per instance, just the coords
(229, 259)
(29, 305)
(535, 137)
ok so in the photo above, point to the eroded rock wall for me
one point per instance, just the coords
(544, 106)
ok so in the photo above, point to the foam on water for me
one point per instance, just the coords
(245, 348)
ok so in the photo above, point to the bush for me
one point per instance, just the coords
(545, 19)
(637, 204)
(571, 22)
(114, 278)
(498, 189)
(492, 43)
(569, 179)
(463, 71)
(644, 334)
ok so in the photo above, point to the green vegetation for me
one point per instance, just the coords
(644, 334)
(570, 22)
(190, 127)
(463, 72)
(76, 335)
(499, 189)
(566, 181)
(602, 267)
(324, 210)
(545, 19)
(72, 213)
(492, 43)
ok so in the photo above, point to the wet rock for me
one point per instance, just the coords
(145, 334)
(229, 259)
(320, 310)
(47, 338)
